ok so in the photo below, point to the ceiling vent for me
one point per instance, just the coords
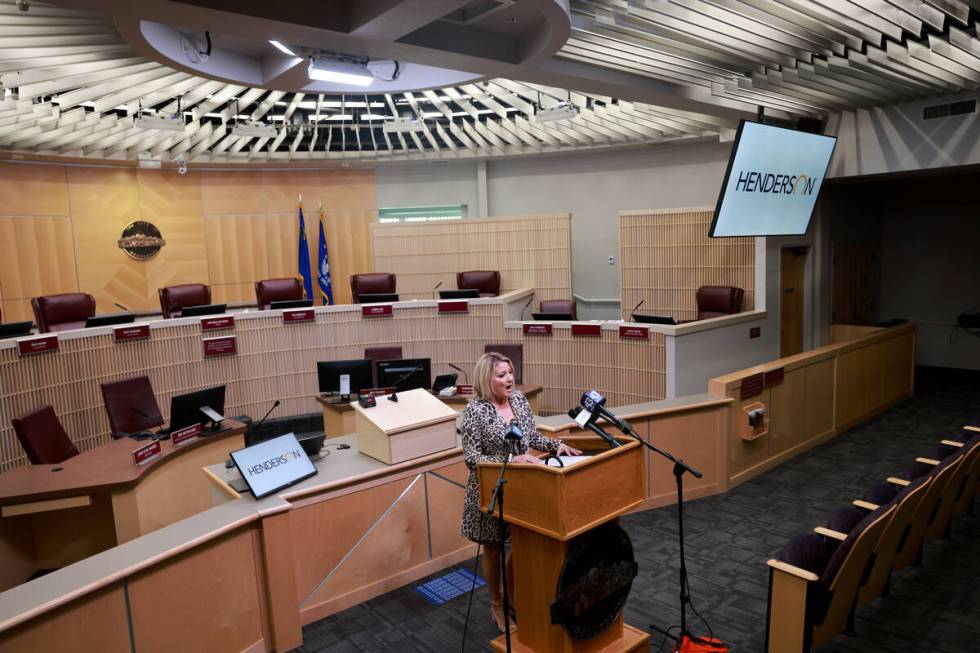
(938, 111)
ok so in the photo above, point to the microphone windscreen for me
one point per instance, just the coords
(573, 412)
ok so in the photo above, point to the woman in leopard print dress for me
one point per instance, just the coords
(485, 420)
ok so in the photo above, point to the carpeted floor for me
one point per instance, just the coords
(935, 607)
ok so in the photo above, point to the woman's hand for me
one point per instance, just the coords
(527, 458)
(566, 450)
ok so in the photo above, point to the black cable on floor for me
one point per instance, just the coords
(469, 605)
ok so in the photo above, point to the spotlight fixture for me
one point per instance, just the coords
(562, 111)
(254, 130)
(282, 48)
(152, 121)
(343, 70)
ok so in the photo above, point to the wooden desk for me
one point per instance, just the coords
(54, 515)
(338, 418)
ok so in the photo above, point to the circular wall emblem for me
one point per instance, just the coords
(141, 240)
(594, 581)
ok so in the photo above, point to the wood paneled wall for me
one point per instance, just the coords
(59, 226)
(529, 251)
(667, 255)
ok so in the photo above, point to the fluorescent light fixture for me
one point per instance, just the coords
(562, 111)
(282, 48)
(342, 72)
(402, 126)
(151, 121)
(254, 130)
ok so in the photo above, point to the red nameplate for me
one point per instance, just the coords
(592, 330)
(185, 434)
(543, 329)
(147, 451)
(37, 345)
(775, 376)
(220, 346)
(752, 385)
(217, 323)
(454, 307)
(376, 310)
(464, 389)
(136, 332)
(298, 315)
(377, 392)
(638, 333)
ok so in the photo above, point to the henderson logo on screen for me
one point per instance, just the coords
(275, 461)
(752, 181)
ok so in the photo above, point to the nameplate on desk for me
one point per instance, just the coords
(592, 330)
(543, 329)
(185, 434)
(37, 345)
(131, 332)
(773, 377)
(217, 323)
(376, 310)
(752, 385)
(635, 333)
(220, 346)
(142, 455)
(298, 315)
(377, 392)
(454, 307)
(464, 389)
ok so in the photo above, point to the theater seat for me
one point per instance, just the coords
(559, 306)
(371, 282)
(716, 301)
(174, 299)
(62, 312)
(43, 438)
(277, 290)
(487, 282)
(375, 354)
(131, 405)
(513, 351)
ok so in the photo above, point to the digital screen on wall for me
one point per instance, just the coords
(772, 182)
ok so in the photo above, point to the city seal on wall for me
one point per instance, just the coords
(594, 581)
(141, 240)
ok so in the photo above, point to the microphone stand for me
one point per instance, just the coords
(497, 499)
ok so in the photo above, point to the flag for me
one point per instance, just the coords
(323, 268)
(304, 257)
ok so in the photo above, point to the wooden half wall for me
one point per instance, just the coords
(666, 256)
(531, 251)
(59, 227)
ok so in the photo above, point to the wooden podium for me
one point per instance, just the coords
(548, 508)
(416, 425)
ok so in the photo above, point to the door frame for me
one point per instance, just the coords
(809, 299)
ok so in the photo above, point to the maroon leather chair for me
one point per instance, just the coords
(131, 405)
(62, 312)
(371, 282)
(375, 354)
(715, 301)
(174, 299)
(559, 306)
(277, 290)
(513, 351)
(485, 281)
(43, 438)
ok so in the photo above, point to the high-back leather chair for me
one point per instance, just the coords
(131, 405)
(277, 290)
(375, 354)
(43, 438)
(371, 282)
(715, 301)
(513, 351)
(174, 299)
(487, 282)
(559, 306)
(62, 312)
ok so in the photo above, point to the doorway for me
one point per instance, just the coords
(792, 277)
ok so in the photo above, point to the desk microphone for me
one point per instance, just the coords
(638, 305)
(435, 289)
(466, 378)
(267, 413)
(254, 429)
(592, 426)
(523, 310)
(122, 307)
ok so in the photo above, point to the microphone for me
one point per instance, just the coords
(466, 377)
(121, 306)
(638, 305)
(275, 405)
(594, 402)
(514, 435)
(592, 426)
(435, 289)
(523, 310)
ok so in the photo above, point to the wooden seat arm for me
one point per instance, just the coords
(865, 505)
(826, 532)
(898, 481)
(951, 443)
(793, 570)
(927, 461)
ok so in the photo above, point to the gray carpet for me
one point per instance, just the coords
(935, 607)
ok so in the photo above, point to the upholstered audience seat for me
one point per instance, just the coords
(559, 306)
(174, 299)
(716, 301)
(376, 354)
(277, 290)
(371, 283)
(43, 438)
(487, 282)
(131, 405)
(513, 351)
(62, 312)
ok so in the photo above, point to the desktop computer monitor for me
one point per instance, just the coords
(109, 320)
(405, 374)
(358, 372)
(376, 297)
(291, 303)
(203, 309)
(185, 409)
(462, 293)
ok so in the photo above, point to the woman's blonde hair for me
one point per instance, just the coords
(483, 373)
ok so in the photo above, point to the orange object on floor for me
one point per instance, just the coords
(702, 645)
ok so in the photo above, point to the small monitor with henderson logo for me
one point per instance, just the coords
(274, 464)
